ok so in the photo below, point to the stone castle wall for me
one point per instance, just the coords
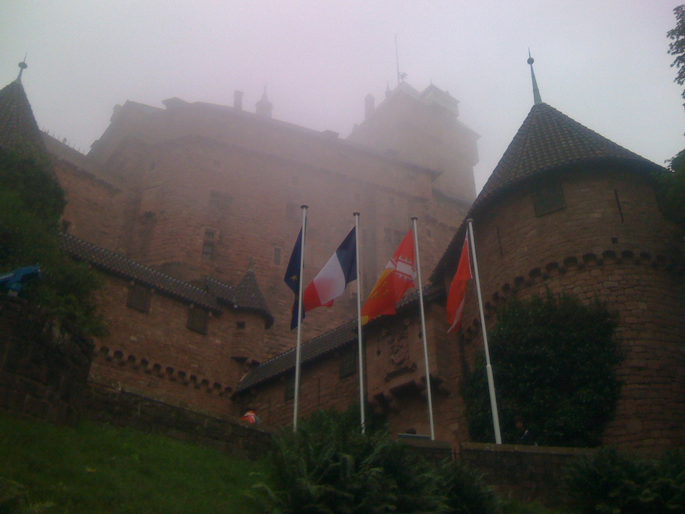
(321, 387)
(155, 354)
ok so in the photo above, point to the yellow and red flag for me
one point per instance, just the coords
(457, 294)
(397, 277)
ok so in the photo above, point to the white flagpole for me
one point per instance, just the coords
(488, 367)
(359, 323)
(299, 322)
(423, 329)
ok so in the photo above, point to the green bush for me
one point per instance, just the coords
(466, 493)
(330, 467)
(554, 362)
(609, 482)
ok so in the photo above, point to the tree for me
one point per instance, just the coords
(554, 362)
(31, 203)
(671, 187)
(677, 45)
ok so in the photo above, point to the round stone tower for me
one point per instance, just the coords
(570, 211)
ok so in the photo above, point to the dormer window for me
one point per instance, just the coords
(548, 196)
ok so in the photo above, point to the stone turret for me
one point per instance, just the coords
(264, 107)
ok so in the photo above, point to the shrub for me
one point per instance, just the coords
(554, 363)
(614, 483)
(328, 466)
(466, 493)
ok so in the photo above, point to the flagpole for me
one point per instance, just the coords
(488, 367)
(299, 322)
(359, 324)
(423, 329)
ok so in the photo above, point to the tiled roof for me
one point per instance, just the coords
(18, 128)
(246, 295)
(119, 265)
(325, 343)
(548, 140)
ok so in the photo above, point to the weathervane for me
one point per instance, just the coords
(22, 67)
(400, 76)
(536, 92)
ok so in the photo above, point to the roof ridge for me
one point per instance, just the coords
(99, 256)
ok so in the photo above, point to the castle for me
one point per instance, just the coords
(190, 213)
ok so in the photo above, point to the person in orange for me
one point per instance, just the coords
(250, 416)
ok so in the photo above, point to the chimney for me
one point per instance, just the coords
(369, 105)
(238, 100)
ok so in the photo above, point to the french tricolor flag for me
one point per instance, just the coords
(340, 270)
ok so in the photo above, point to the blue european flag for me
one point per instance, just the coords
(292, 277)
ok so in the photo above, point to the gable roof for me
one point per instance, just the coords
(18, 128)
(325, 343)
(246, 295)
(548, 140)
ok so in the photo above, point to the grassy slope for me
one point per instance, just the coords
(104, 469)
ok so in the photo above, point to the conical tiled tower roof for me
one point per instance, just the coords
(548, 140)
(18, 128)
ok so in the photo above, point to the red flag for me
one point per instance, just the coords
(457, 294)
(397, 277)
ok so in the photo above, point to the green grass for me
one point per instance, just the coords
(103, 469)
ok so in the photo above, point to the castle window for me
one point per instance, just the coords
(392, 237)
(208, 245)
(348, 362)
(139, 298)
(289, 388)
(219, 200)
(197, 320)
(277, 256)
(207, 251)
(548, 196)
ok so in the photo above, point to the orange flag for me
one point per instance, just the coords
(397, 277)
(457, 294)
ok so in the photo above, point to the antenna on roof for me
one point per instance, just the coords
(536, 92)
(22, 67)
(400, 76)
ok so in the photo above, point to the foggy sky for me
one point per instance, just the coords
(604, 63)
